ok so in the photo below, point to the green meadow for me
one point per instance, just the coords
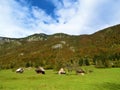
(99, 79)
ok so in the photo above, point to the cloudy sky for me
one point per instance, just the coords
(20, 18)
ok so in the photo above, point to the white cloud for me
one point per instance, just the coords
(16, 20)
(9, 23)
(73, 17)
(76, 15)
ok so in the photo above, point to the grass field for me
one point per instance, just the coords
(99, 79)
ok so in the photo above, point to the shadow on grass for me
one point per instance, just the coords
(1, 87)
(110, 86)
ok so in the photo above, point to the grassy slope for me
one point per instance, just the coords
(100, 79)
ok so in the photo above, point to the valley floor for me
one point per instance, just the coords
(99, 79)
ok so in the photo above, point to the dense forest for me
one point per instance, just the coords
(101, 49)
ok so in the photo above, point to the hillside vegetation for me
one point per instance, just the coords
(101, 49)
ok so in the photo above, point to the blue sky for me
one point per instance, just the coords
(20, 18)
(46, 5)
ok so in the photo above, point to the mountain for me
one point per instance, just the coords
(60, 48)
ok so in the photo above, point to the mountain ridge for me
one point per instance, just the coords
(42, 49)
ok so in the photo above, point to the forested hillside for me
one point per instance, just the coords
(101, 49)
